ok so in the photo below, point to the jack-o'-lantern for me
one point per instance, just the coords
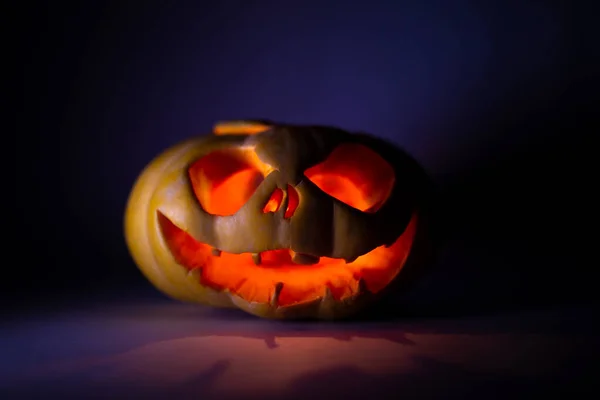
(280, 221)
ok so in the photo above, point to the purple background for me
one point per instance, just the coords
(492, 100)
(495, 100)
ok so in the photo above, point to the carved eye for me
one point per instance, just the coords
(355, 175)
(224, 180)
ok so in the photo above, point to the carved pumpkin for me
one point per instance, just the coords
(280, 221)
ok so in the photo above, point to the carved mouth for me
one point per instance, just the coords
(282, 277)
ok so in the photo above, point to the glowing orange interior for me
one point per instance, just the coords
(301, 283)
(293, 201)
(276, 199)
(355, 175)
(223, 181)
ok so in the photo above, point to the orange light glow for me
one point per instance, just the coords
(223, 181)
(239, 128)
(301, 283)
(293, 200)
(274, 201)
(356, 176)
(341, 188)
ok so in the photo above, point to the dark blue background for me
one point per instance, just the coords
(493, 98)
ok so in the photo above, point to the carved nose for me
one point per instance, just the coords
(278, 199)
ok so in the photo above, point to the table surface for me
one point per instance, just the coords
(157, 348)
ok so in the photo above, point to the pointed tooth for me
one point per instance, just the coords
(328, 296)
(276, 293)
(216, 252)
(256, 258)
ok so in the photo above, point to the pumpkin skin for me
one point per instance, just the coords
(280, 221)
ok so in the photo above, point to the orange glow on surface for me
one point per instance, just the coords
(301, 283)
(356, 176)
(293, 200)
(239, 128)
(274, 201)
(341, 188)
(223, 181)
